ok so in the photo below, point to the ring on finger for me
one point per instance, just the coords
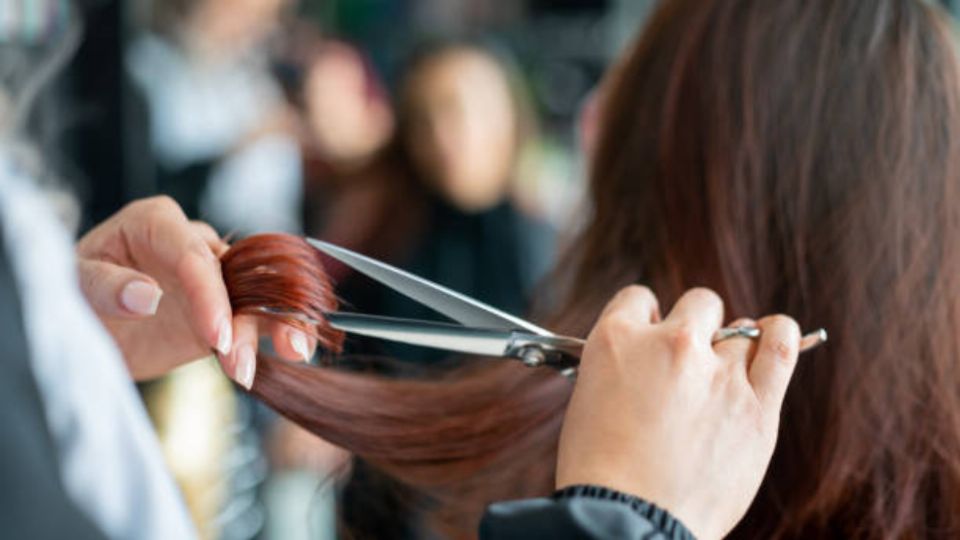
(729, 332)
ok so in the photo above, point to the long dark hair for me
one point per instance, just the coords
(802, 156)
(796, 156)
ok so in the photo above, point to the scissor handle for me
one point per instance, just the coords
(559, 352)
(563, 353)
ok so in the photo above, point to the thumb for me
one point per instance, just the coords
(118, 291)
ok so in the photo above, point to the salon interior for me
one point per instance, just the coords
(452, 139)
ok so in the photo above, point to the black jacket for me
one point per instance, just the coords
(581, 512)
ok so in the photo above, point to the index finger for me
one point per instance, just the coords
(158, 228)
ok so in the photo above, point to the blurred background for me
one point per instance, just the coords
(449, 137)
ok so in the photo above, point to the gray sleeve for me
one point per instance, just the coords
(581, 512)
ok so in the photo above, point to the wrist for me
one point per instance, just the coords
(662, 519)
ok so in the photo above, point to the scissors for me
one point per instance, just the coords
(482, 330)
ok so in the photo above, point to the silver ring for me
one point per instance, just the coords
(749, 332)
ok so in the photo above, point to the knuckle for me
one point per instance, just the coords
(785, 333)
(681, 338)
(162, 208)
(153, 209)
(205, 229)
(97, 285)
(89, 278)
(784, 321)
(164, 203)
(781, 350)
(645, 297)
(617, 325)
(705, 296)
(149, 204)
(639, 292)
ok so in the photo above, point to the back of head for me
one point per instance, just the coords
(802, 156)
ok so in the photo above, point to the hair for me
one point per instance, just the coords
(282, 277)
(797, 156)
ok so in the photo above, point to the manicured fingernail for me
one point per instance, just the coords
(141, 297)
(298, 342)
(225, 337)
(246, 366)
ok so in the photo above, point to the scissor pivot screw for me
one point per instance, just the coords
(533, 357)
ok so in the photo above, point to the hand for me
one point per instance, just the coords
(153, 277)
(660, 413)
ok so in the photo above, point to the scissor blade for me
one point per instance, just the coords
(458, 307)
(448, 337)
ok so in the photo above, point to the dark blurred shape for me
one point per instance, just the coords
(104, 139)
(539, 7)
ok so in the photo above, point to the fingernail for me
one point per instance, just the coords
(246, 366)
(141, 297)
(298, 342)
(225, 337)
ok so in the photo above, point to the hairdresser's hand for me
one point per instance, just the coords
(154, 279)
(660, 413)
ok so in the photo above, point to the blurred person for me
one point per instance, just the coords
(357, 194)
(348, 110)
(221, 134)
(462, 124)
(434, 195)
(449, 217)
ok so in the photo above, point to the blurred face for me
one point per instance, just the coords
(463, 128)
(349, 119)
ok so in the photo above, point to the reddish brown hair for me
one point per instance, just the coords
(796, 156)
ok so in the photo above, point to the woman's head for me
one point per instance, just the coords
(802, 156)
(461, 123)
